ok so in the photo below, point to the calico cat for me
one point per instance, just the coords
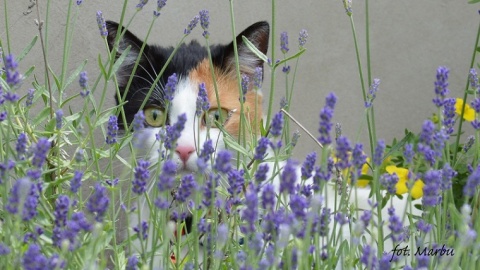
(191, 66)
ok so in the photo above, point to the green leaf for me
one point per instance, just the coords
(27, 49)
(254, 49)
(120, 60)
(400, 144)
(42, 115)
(75, 73)
(102, 68)
(473, 1)
(291, 57)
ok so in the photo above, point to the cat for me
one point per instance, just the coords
(191, 65)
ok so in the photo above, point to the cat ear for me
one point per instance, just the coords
(258, 35)
(128, 39)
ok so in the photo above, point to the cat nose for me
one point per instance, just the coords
(184, 152)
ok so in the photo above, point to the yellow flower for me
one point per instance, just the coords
(364, 182)
(401, 186)
(469, 114)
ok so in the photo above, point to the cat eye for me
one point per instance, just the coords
(214, 115)
(154, 116)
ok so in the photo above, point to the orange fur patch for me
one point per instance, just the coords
(228, 93)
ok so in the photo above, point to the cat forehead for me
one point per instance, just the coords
(187, 57)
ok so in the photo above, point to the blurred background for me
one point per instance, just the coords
(409, 40)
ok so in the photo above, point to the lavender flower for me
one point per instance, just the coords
(40, 152)
(186, 188)
(171, 87)
(209, 191)
(4, 249)
(268, 197)
(235, 182)
(469, 143)
(160, 5)
(132, 263)
(424, 227)
(428, 153)
(302, 38)
(24, 195)
(76, 181)
(261, 173)
(222, 162)
(431, 190)
(369, 259)
(141, 176)
(449, 115)
(441, 86)
(389, 181)
(30, 96)
(3, 116)
(298, 205)
(202, 100)
(21, 146)
(277, 125)
(204, 22)
(98, 202)
(245, 82)
(174, 131)
(378, 156)
(408, 153)
(142, 230)
(83, 81)
(473, 181)
(326, 115)
(308, 164)
(58, 118)
(102, 26)
(250, 213)
(358, 158)
(205, 155)
(288, 177)
(284, 42)
(33, 259)
(141, 4)
(372, 93)
(139, 121)
(395, 225)
(447, 175)
(62, 205)
(347, 4)
(261, 149)
(193, 23)
(342, 153)
(112, 129)
(258, 77)
(11, 97)
(422, 261)
(321, 225)
(167, 176)
(13, 77)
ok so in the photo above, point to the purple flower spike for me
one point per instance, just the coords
(76, 181)
(261, 173)
(21, 146)
(171, 87)
(204, 22)
(167, 176)
(342, 152)
(302, 38)
(141, 4)
(372, 93)
(98, 202)
(473, 181)
(102, 26)
(40, 152)
(186, 188)
(160, 5)
(58, 118)
(142, 230)
(83, 81)
(288, 177)
(27, 193)
(222, 162)
(132, 263)
(378, 156)
(258, 77)
(441, 86)
(193, 23)
(269, 197)
(33, 259)
(202, 100)
(245, 83)
(277, 125)
(141, 176)
(389, 181)
(308, 164)
(431, 190)
(174, 132)
(284, 42)
(250, 213)
(326, 115)
(261, 149)
(13, 77)
(112, 129)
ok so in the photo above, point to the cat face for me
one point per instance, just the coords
(192, 68)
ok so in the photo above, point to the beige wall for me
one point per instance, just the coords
(409, 40)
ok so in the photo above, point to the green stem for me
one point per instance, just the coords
(472, 62)
(272, 79)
